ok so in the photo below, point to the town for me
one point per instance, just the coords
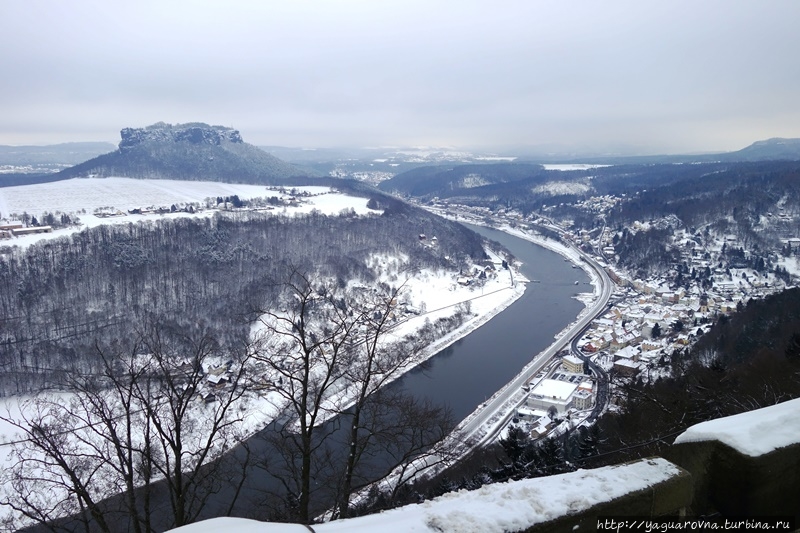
(649, 323)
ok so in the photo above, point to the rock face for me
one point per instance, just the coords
(193, 151)
(194, 133)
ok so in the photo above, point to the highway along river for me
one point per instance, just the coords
(473, 369)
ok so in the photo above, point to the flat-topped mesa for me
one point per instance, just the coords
(193, 133)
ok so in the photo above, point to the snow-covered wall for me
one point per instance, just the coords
(645, 487)
(746, 464)
(753, 433)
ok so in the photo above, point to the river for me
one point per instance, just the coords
(474, 368)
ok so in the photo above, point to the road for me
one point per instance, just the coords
(601, 376)
(485, 423)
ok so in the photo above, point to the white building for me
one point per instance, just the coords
(563, 395)
(552, 393)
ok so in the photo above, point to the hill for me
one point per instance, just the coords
(54, 156)
(193, 151)
(775, 149)
(443, 181)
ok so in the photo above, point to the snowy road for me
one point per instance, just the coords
(484, 424)
(492, 416)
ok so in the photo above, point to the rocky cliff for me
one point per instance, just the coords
(193, 151)
(193, 133)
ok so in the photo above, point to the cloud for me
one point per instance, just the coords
(358, 72)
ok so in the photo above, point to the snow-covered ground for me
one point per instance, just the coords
(555, 188)
(437, 295)
(85, 195)
(496, 508)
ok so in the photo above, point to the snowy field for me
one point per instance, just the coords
(85, 195)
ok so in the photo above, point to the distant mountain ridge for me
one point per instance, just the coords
(776, 148)
(444, 181)
(192, 151)
(51, 157)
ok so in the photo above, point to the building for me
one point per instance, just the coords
(582, 400)
(30, 231)
(629, 353)
(563, 395)
(626, 367)
(552, 393)
(572, 364)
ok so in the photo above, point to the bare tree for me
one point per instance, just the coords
(123, 441)
(407, 437)
(302, 344)
(402, 427)
(331, 354)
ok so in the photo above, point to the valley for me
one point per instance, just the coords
(244, 298)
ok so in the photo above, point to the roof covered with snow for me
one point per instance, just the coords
(553, 388)
(753, 433)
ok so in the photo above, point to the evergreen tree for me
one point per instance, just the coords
(656, 330)
(514, 443)
(793, 348)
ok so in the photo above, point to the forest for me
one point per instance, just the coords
(57, 297)
(157, 332)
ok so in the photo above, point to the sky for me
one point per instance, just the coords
(617, 76)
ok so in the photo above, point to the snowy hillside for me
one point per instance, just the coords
(85, 196)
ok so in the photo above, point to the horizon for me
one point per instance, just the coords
(530, 151)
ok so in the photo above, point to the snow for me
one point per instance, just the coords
(572, 166)
(433, 294)
(123, 193)
(239, 525)
(497, 508)
(554, 389)
(753, 433)
(555, 188)
(88, 194)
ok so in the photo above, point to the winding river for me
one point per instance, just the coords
(465, 374)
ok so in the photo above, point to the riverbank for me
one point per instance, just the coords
(529, 351)
(435, 296)
(569, 253)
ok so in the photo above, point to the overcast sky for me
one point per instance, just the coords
(627, 76)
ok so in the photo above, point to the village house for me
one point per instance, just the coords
(31, 230)
(626, 367)
(630, 353)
